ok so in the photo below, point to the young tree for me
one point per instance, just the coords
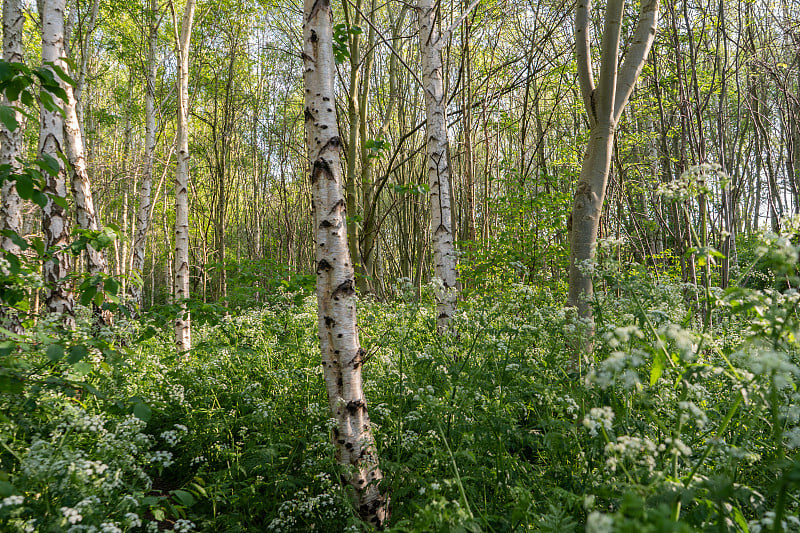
(145, 189)
(183, 36)
(342, 355)
(444, 255)
(11, 141)
(59, 298)
(604, 104)
(82, 190)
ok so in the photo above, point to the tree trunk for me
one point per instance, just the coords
(58, 298)
(82, 194)
(183, 340)
(604, 106)
(342, 355)
(145, 190)
(11, 146)
(444, 256)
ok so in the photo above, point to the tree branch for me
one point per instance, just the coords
(637, 55)
(583, 54)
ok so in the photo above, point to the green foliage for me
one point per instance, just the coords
(668, 426)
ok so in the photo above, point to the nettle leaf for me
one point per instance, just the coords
(7, 489)
(11, 384)
(659, 361)
(6, 347)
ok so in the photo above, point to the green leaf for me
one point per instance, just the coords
(6, 489)
(63, 75)
(11, 384)
(658, 367)
(6, 347)
(142, 411)
(110, 285)
(13, 263)
(55, 352)
(8, 118)
(184, 498)
(49, 164)
(76, 353)
(88, 294)
(82, 368)
(24, 187)
(16, 239)
(6, 71)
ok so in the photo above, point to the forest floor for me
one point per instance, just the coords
(673, 425)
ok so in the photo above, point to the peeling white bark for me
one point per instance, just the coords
(85, 214)
(183, 339)
(11, 147)
(342, 355)
(444, 256)
(59, 298)
(145, 191)
(11, 141)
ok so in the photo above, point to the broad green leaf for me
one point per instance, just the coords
(55, 352)
(142, 411)
(8, 118)
(76, 353)
(82, 368)
(184, 498)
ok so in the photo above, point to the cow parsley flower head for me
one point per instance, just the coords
(598, 417)
(598, 522)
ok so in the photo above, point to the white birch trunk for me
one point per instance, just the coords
(342, 355)
(59, 298)
(183, 339)
(444, 255)
(145, 191)
(82, 193)
(11, 147)
(11, 141)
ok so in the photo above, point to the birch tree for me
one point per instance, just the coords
(183, 36)
(11, 139)
(85, 214)
(438, 166)
(146, 187)
(342, 355)
(604, 104)
(59, 298)
(11, 142)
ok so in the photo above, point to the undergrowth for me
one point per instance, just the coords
(672, 424)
